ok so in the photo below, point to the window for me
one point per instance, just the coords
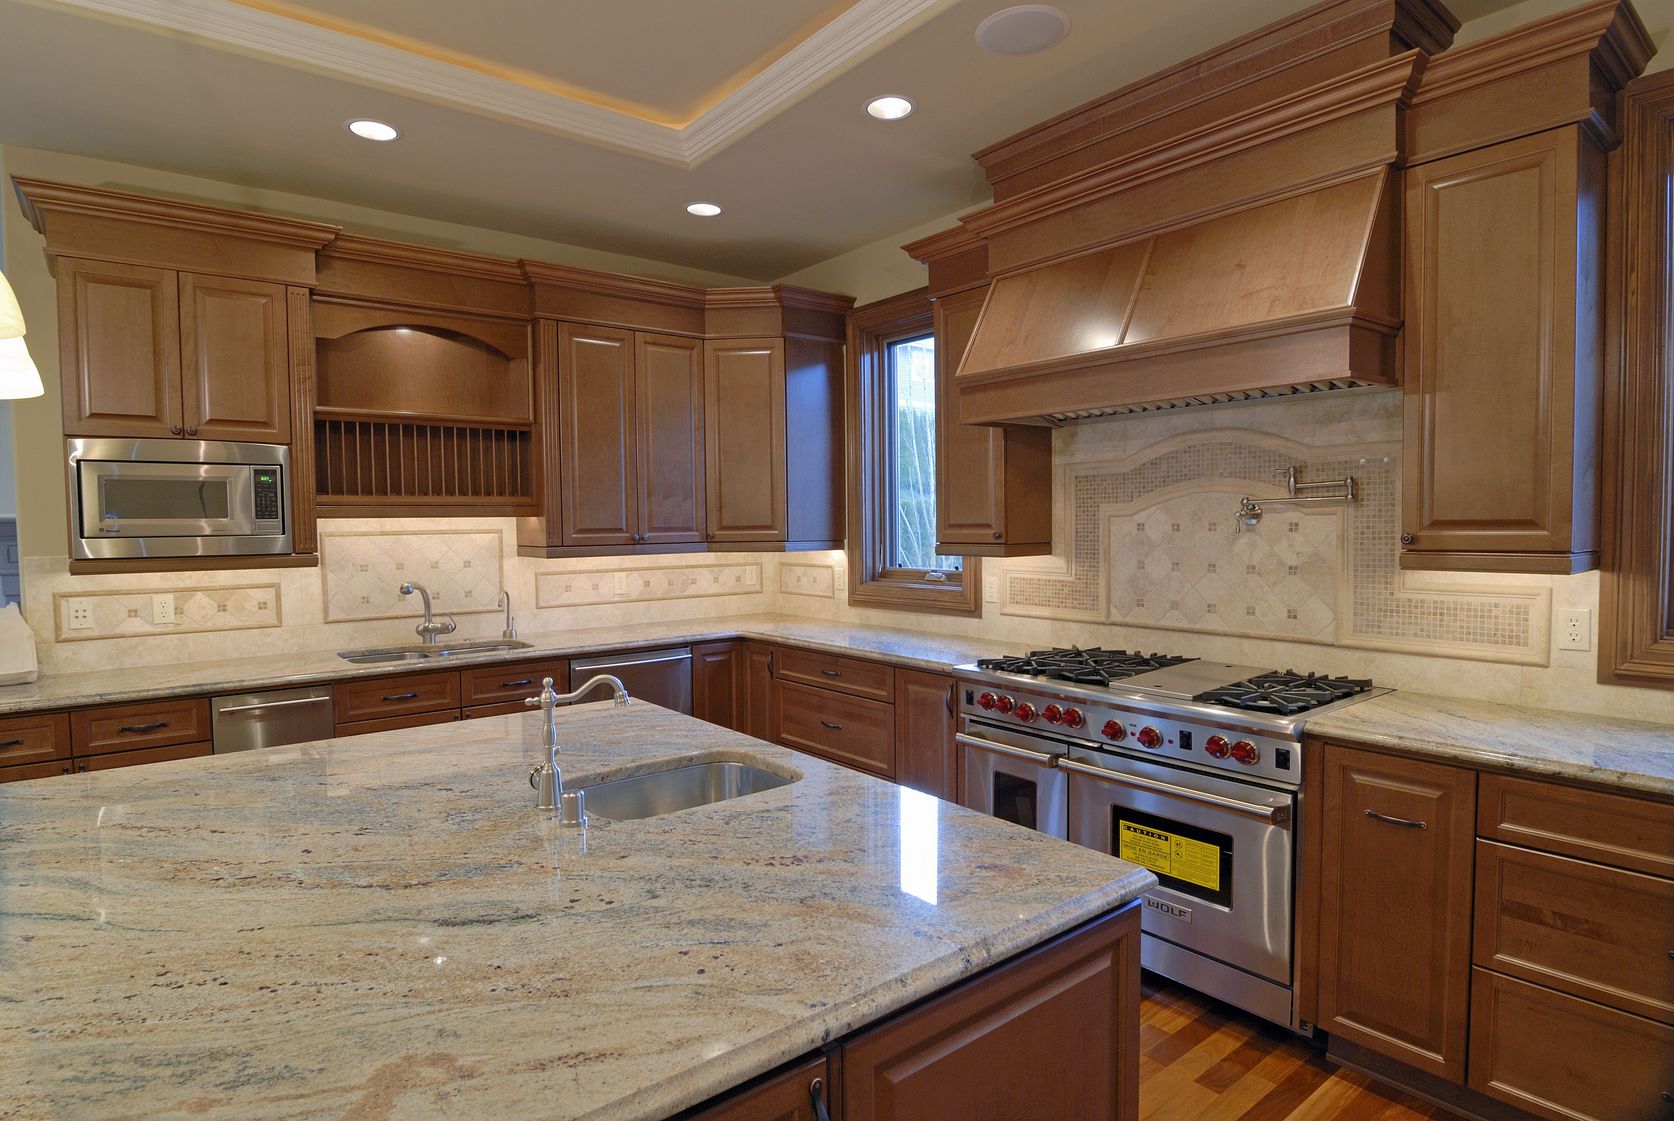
(892, 457)
(1636, 635)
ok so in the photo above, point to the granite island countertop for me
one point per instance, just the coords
(384, 926)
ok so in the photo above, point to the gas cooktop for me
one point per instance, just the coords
(1096, 666)
(1286, 693)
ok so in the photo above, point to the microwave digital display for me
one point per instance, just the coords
(133, 498)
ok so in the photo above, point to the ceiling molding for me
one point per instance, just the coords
(847, 39)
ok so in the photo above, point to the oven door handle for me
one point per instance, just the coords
(1038, 757)
(1273, 815)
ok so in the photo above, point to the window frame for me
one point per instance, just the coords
(873, 581)
(1636, 592)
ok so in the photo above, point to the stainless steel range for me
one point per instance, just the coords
(1191, 768)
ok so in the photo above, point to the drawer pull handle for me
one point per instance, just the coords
(11, 743)
(393, 697)
(142, 729)
(517, 684)
(1404, 823)
(829, 724)
(832, 672)
(816, 1095)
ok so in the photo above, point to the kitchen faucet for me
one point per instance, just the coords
(547, 780)
(511, 628)
(430, 628)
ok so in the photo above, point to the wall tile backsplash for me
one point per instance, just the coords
(572, 588)
(363, 572)
(127, 613)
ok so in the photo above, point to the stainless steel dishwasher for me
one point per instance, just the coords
(244, 721)
(662, 677)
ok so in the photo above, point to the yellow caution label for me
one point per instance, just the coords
(1169, 854)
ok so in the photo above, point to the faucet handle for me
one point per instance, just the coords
(547, 699)
(452, 626)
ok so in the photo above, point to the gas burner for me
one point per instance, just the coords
(1082, 667)
(1284, 694)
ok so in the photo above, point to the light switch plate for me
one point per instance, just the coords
(81, 614)
(162, 609)
(1575, 629)
(991, 589)
(621, 584)
(750, 577)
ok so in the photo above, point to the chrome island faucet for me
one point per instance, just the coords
(546, 779)
(430, 628)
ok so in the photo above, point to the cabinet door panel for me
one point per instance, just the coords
(378, 698)
(925, 757)
(597, 472)
(130, 727)
(119, 344)
(744, 437)
(756, 713)
(669, 406)
(970, 458)
(1395, 912)
(235, 359)
(718, 684)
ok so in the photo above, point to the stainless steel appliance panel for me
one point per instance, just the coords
(1012, 777)
(661, 677)
(245, 721)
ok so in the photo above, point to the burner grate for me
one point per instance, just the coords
(1284, 694)
(1095, 666)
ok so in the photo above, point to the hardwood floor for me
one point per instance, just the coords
(1200, 1060)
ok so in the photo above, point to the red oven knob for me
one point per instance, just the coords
(1073, 717)
(1052, 714)
(1246, 753)
(1114, 731)
(1026, 712)
(1003, 703)
(1150, 739)
(988, 700)
(1217, 747)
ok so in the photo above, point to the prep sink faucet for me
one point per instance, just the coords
(546, 779)
(430, 628)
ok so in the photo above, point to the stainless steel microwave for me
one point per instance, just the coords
(177, 498)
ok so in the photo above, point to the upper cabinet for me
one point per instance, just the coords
(235, 359)
(744, 396)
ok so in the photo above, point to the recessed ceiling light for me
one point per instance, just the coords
(703, 209)
(1023, 29)
(373, 130)
(889, 108)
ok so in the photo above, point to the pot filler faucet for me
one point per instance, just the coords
(430, 628)
(546, 779)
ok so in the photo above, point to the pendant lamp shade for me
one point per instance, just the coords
(11, 316)
(18, 376)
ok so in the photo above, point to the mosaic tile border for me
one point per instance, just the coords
(1378, 607)
(361, 572)
(126, 613)
(592, 586)
(818, 581)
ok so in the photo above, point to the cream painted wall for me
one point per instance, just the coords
(877, 270)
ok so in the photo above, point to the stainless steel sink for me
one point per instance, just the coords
(666, 792)
(369, 657)
(416, 653)
(484, 647)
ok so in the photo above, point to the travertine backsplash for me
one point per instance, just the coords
(361, 573)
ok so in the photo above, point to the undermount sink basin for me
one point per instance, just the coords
(666, 792)
(417, 653)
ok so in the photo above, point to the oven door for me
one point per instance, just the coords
(1011, 776)
(1221, 850)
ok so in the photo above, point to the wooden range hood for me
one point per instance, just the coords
(1293, 294)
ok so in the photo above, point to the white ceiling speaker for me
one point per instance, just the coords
(1023, 29)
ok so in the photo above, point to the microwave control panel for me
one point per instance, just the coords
(265, 482)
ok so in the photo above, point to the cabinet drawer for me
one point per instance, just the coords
(148, 755)
(36, 770)
(1567, 1059)
(37, 738)
(1616, 829)
(503, 708)
(395, 696)
(95, 731)
(393, 723)
(848, 730)
(493, 684)
(829, 671)
(1591, 931)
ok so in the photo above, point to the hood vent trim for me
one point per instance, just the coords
(1273, 393)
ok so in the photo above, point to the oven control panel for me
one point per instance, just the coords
(1138, 732)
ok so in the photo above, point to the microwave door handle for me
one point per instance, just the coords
(998, 748)
(1273, 815)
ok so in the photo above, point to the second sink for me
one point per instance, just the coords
(666, 792)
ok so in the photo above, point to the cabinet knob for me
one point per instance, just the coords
(191, 430)
(711, 535)
(998, 535)
(1406, 539)
(175, 428)
(816, 1096)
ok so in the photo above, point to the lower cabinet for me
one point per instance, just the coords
(755, 714)
(925, 756)
(1052, 1035)
(718, 683)
(146, 755)
(850, 730)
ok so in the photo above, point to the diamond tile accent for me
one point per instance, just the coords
(570, 588)
(362, 573)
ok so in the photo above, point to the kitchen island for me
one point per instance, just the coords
(385, 927)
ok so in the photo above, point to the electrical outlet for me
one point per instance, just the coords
(81, 614)
(750, 577)
(1575, 629)
(621, 583)
(839, 582)
(162, 610)
(991, 589)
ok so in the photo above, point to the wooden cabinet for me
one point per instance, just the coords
(756, 707)
(669, 425)
(130, 727)
(597, 473)
(855, 676)
(925, 756)
(1503, 346)
(993, 485)
(400, 695)
(140, 758)
(1395, 841)
(718, 689)
(788, 1096)
(159, 353)
(34, 738)
(857, 733)
(744, 401)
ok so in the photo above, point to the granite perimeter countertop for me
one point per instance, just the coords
(385, 927)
